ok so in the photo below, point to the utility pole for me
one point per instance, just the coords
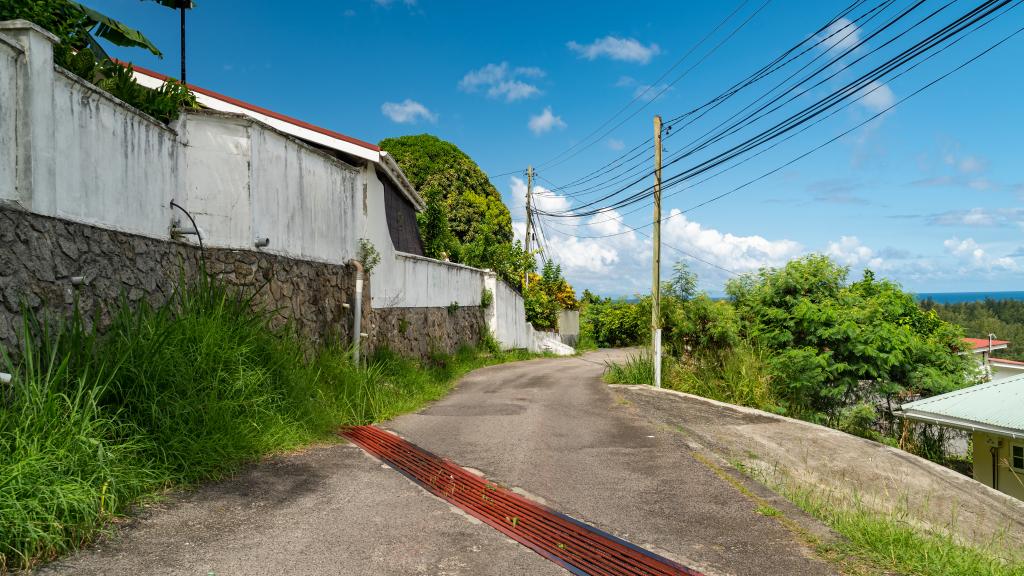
(529, 217)
(181, 9)
(656, 272)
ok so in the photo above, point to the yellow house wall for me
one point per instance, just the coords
(1010, 481)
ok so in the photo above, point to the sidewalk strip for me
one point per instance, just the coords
(577, 547)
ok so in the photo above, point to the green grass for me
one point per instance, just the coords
(739, 377)
(891, 543)
(636, 369)
(172, 396)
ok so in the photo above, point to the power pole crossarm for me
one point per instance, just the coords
(656, 264)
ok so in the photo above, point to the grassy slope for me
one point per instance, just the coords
(171, 397)
(875, 543)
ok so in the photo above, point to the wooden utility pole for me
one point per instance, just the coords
(656, 268)
(529, 217)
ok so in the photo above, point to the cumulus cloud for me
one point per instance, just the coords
(730, 251)
(622, 49)
(844, 37)
(972, 256)
(849, 251)
(407, 111)
(840, 36)
(502, 81)
(877, 96)
(602, 253)
(545, 122)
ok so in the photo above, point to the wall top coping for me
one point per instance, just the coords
(441, 262)
(72, 77)
(249, 120)
(22, 25)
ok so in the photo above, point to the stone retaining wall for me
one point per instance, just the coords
(420, 332)
(47, 263)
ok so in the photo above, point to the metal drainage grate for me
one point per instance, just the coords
(578, 547)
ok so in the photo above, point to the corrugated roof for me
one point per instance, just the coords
(978, 344)
(996, 406)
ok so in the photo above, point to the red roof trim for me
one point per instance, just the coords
(259, 110)
(1007, 361)
(981, 343)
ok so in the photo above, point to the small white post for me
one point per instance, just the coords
(657, 358)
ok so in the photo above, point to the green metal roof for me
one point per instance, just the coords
(996, 407)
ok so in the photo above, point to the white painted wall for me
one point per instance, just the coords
(70, 150)
(81, 154)
(10, 51)
(415, 281)
(216, 157)
(116, 167)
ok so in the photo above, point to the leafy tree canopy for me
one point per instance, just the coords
(835, 343)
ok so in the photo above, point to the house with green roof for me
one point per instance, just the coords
(993, 413)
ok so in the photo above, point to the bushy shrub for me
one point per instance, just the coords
(614, 324)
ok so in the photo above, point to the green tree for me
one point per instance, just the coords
(834, 344)
(683, 283)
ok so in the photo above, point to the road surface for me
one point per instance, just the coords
(549, 428)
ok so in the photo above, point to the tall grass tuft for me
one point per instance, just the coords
(171, 396)
(636, 369)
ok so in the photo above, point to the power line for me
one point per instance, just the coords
(827, 142)
(808, 113)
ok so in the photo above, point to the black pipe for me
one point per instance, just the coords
(995, 466)
(202, 249)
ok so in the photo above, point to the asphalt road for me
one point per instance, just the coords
(549, 428)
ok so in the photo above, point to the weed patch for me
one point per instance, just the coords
(172, 396)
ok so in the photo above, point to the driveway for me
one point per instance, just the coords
(550, 428)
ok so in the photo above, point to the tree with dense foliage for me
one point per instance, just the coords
(477, 226)
(466, 221)
(1004, 318)
(834, 344)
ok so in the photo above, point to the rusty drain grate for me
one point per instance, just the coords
(578, 547)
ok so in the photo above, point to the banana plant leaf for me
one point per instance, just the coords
(116, 32)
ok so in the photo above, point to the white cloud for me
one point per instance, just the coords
(407, 112)
(877, 97)
(624, 81)
(623, 49)
(545, 122)
(616, 144)
(732, 252)
(849, 251)
(648, 93)
(980, 217)
(841, 36)
(972, 257)
(388, 3)
(502, 81)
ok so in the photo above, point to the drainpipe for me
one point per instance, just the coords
(357, 312)
(995, 466)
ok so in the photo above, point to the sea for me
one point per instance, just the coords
(955, 297)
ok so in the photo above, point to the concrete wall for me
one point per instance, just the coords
(1010, 481)
(81, 154)
(245, 181)
(71, 151)
(10, 52)
(569, 326)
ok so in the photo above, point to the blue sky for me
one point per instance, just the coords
(929, 194)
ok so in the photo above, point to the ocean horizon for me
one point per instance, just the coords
(958, 297)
